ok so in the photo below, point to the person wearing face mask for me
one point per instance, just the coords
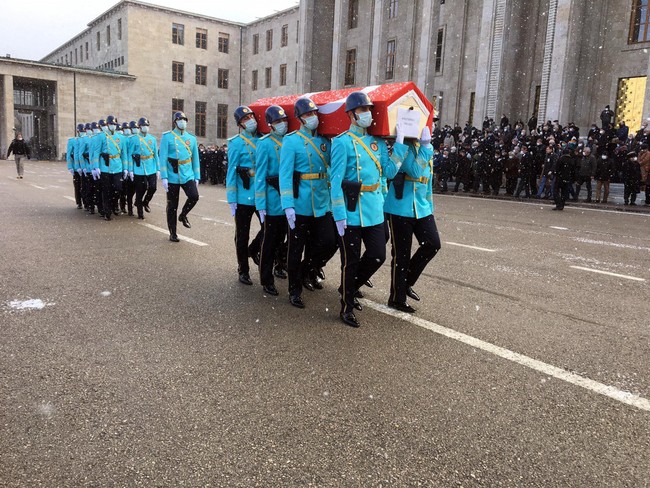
(179, 168)
(644, 163)
(304, 163)
(603, 175)
(20, 149)
(586, 173)
(93, 149)
(73, 164)
(267, 194)
(128, 190)
(110, 159)
(358, 162)
(631, 178)
(144, 165)
(240, 190)
(83, 155)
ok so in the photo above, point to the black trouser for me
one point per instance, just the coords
(126, 197)
(87, 191)
(76, 182)
(144, 184)
(629, 192)
(357, 269)
(495, 182)
(524, 184)
(192, 194)
(587, 181)
(561, 192)
(443, 182)
(275, 228)
(647, 192)
(111, 188)
(465, 182)
(511, 184)
(243, 217)
(405, 270)
(318, 235)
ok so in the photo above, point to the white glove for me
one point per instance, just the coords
(84, 172)
(425, 137)
(157, 175)
(79, 171)
(165, 184)
(197, 183)
(94, 174)
(340, 226)
(71, 171)
(131, 175)
(291, 217)
(233, 208)
(262, 215)
(399, 135)
(125, 174)
(99, 172)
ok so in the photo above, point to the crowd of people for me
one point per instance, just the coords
(213, 161)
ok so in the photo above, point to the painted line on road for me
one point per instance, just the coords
(558, 228)
(471, 247)
(223, 201)
(69, 198)
(218, 221)
(36, 186)
(627, 277)
(540, 366)
(182, 238)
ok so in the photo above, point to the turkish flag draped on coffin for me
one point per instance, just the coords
(387, 99)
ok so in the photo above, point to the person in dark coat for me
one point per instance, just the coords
(631, 178)
(603, 176)
(586, 173)
(526, 172)
(532, 122)
(511, 170)
(606, 117)
(444, 171)
(623, 132)
(20, 149)
(563, 177)
(463, 171)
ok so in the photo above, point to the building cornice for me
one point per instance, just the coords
(71, 69)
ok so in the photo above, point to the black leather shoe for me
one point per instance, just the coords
(320, 273)
(271, 290)
(116, 212)
(317, 284)
(402, 307)
(358, 294)
(307, 284)
(256, 258)
(186, 223)
(174, 238)
(146, 207)
(296, 301)
(280, 273)
(348, 318)
(245, 279)
(130, 213)
(79, 207)
(369, 284)
(411, 293)
(357, 305)
(107, 217)
(141, 217)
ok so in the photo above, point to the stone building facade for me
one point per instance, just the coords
(561, 59)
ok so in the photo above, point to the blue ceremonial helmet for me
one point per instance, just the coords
(133, 125)
(112, 120)
(179, 116)
(143, 121)
(89, 126)
(241, 112)
(125, 125)
(356, 100)
(302, 106)
(101, 123)
(274, 113)
(80, 127)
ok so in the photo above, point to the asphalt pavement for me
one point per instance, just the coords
(128, 360)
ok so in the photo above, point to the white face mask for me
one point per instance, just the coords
(96, 131)
(250, 125)
(280, 128)
(112, 127)
(144, 129)
(364, 119)
(104, 128)
(181, 124)
(89, 132)
(127, 131)
(135, 130)
(311, 122)
(603, 157)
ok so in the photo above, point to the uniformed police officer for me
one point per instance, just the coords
(267, 193)
(359, 160)
(128, 188)
(409, 210)
(304, 191)
(145, 165)
(240, 189)
(110, 160)
(73, 164)
(179, 167)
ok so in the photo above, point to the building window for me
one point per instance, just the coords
(472, 101)
(295, 73)
(268, 77)
(256, 43)
(297, 31)
(284, 35)
(108, 35)
(353, 14)
(224, 40)
(269, 39)
(76, 59)
(86, 51)
(350, 66)
(392, 9)
(66, 59)
(640, 23)
(222, 78)
(201, 75)
(222, 121)
(99, 40)
(177, 71)
(199, 118)
(390, 59)
(178, 34)
(254, 81)
(439, 47)
(178, 105)
(119, 29)
(283, 75)
(202, 38)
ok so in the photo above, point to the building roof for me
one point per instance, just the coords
(54, 66)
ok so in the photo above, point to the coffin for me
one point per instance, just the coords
(388, 99)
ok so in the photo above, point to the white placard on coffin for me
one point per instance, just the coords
(412, 103)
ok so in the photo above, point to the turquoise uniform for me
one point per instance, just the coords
(115, 146)
(184, 148)
(310, 156)
(417, 199)
(93, 144)
(267, 158)
(352, 161)
(241, 154)
(146, 147)
(70, 154)
(82, 153)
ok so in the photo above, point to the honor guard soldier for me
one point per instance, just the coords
(128, 189)
(179, 154)
(83, 152)
(240, 189)
(110, 160)
(145, 166)
(267, 194)
(95, 172)
(409, 210)
(73, 165)
(359, 160)
(304, 190)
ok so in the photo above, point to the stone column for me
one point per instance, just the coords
(646, 104)
(425, 43)
(376, 43)
(6, 113)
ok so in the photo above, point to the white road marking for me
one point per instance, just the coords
(540, 366)
(69, 198)
(223, 201)
(36, 186)
(612, 244)
(634, 278)
(218, 221)
(471, 247)
(182, 238)
(558, 228)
